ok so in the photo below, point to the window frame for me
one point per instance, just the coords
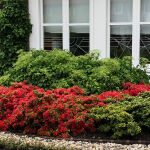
(98, 26)
(136, 26)
(66, 25)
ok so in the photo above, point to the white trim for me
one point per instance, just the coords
(136, 32)
(145, 23)
(100, 26)
(34, 12)
(65, 15)
(51, 24)
(79, 24)
(108, 29)
(91, 24)
(120, 23)
(41, 26)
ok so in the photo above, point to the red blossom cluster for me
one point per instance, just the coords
(134, 90)
(59, 112)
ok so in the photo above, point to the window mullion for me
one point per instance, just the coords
(42, 22)
(136, 32)
(100, 19)
(91, 25)
(65, 24)
(108, 29)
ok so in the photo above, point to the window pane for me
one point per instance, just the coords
(79, 11)
(52, 38)
(79, 40)
(52, 11)
(121, 41)
(121, 10)
(145, 10)
(145, 41)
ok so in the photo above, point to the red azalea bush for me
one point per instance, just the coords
(59, 112)
(134, 90)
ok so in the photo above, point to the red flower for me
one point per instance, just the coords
(58, 112)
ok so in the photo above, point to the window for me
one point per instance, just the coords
(65, 24)
(129, 26)
(79, 26)
(145, 29)
(116, 28)
(121, 28)
(52, 24)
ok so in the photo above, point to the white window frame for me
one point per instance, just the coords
(66, 25)
(136, 23)
(98, 25)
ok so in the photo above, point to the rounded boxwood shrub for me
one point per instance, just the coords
(128, 117)
(60, 69)
(115, 121)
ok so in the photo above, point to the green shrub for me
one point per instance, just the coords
(115, 120)
(59, 69)
(15, 28)
(128, 117)
(132, 74)
(139, 107)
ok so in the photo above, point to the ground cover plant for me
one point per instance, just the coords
(65, 112)
(11, 142)
(60, 69)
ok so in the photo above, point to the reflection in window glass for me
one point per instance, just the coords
(145, 10)
(79, 11)
(121, 10)
(145, 41)
(52, 38)
(52, 11)
(121, 41)
(79, 40)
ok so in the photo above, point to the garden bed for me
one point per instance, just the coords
(70, 112)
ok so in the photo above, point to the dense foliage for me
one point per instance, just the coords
(115, 121)
(15, 28)
(64, 112)
(127, 117)
(59, 69)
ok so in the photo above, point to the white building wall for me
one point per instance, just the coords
(34, 11)
(100, 27)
